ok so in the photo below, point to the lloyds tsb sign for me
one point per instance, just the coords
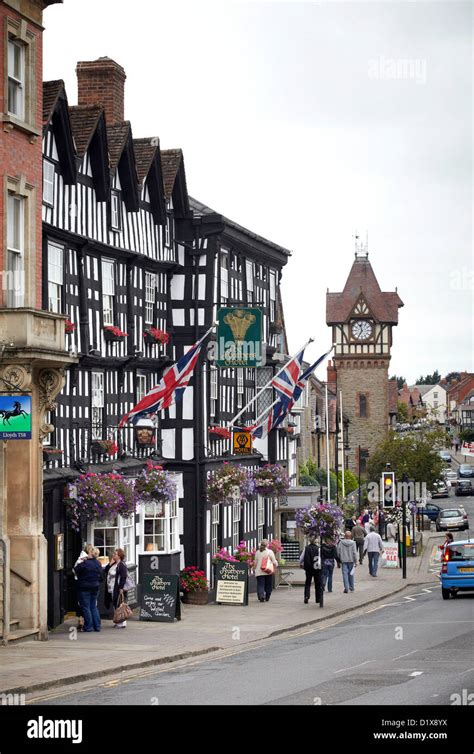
(239, 338)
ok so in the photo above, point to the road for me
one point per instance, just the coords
(411, 650)
(453, 502)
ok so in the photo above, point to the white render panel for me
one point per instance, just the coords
(177, 287)
(178, 317)
(188, 444)
(169, 443)
(188, 397)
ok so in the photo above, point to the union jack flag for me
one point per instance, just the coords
(262, 430)
(170, 390)
(285, 381)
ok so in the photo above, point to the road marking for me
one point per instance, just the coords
(417, 672)
(405, 655)
(467, 671)
(342, 670)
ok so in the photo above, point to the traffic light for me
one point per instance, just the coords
(388, 489)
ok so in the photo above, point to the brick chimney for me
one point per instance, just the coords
(102, 82)
(332, 376)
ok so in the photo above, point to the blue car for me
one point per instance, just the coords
(457, 570)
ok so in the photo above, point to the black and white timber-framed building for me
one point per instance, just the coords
(126, 247)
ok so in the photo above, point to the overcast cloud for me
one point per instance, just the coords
(306, 122)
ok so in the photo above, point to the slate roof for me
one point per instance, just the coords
(145, 151)
(84, 119)
(51, 90)
(200, 209)
(170, 163)
(383, 305)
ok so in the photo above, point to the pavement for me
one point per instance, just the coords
(71, 657)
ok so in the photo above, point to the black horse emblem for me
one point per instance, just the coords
(15, 411)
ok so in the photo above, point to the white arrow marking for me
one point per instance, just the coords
(417, 672)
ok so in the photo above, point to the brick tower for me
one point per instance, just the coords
(362, 317)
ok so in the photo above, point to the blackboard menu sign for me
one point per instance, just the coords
(232, 581)
(159, 597)
(132, 594)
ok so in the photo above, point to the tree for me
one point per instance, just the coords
(452, 377)
(400, 380)
(402, 412)
(430, 379)
(351, 482)
(415, 455)
(307, 473)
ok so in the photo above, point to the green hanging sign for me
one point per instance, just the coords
(15, 417)
(239, 337)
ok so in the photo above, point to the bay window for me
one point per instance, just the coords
(160, 526)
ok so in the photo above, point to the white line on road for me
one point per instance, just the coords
(417, 672)
(405, 655)
(342, 670)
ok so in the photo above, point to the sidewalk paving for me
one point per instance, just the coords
(70, 656)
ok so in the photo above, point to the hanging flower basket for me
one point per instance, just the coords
(216, 432)
(154, 485)
(321, 520)
(154, 335)
(114, 334)
(104, 447)
(69, 327)
(52, 454)
(271, 481)
(100, 497)
(228, 482)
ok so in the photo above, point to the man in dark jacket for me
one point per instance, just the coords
(329, 556)
(358, 535)
(89, 576)
(310, 562)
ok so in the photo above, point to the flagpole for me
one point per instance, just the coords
(342, 446)
(328, 478)
(265, 387)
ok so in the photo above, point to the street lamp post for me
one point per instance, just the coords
(404, 525)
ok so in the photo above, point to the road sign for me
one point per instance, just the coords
(15, 417)
(242, 442)
(239, 337)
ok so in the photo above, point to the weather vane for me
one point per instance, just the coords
(361, 248)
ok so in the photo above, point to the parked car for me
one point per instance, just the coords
(465, 471)
(457, 569)
(440, 489)
(449, 475)
(452, 518)
(445, 456)
(431, 510)
(464, 487)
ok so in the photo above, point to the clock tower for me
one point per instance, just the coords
(362, 317)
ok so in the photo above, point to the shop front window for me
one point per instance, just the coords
(160, 527)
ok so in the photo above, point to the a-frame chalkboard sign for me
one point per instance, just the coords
(159, 597)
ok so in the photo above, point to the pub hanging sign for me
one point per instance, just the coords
(239, 337)
(15, 417)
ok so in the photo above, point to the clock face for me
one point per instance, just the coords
(362, 330)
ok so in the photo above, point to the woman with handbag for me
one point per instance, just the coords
(264, 567)
(116, 574)
(89, 577)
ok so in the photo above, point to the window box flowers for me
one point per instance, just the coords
(194, 585)
(155, 485)
(271, 481)
(243, 555)
(222, 432)
(104, 447)
(223, 554)
(69, 327)
(228, 483)
(52, 454)
(154, 335)
(114, 334)
(99, 497)
(324, 520)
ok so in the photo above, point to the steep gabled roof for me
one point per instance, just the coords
(56, 113)
(84, 122)
(174, 180)
(383, 305)
(122, 158)
(149, 170)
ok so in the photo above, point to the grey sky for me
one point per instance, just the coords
(307, 122)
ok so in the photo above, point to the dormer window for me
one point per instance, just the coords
(115, 211)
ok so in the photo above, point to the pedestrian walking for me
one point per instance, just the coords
(358, 535)
(329, 558)
(89, 577)
(373, 546)
(350, 523)
(311, 562)
(264, 566)
(347, 552)
(391, 532)
(116, 574)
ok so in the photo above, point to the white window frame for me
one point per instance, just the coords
(213, 390)
(260, 516)
(240, 387)
(17, 80)
(168, 230)
(108, 290)
(16, 213)
(215, 521)
(168, 515)
(97, 404)
(55, 278)
(48, 182)
(224, 269)
(115, 210)
(124, 537)
(236, 516)
(141, 387)
(150, 297)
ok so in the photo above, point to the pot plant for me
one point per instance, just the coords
(154, 335)
(69, 327)
(114, 334)
(104, 447)
(194, 585)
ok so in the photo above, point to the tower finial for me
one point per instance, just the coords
(361, 248)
